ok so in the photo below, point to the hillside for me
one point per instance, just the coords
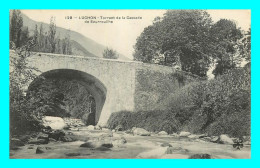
(81, 45)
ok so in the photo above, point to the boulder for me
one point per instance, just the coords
(225, 139)
(192, 136)
(102, 148)
(184, 134)
(171, 150)
(166, 145)
(38, 141)
(105, 129)
(16, 142)
(91, 127)
(132, 130)
(162, 133)
(141, 132)
(88, 145)
(119, 142)
(57, 134)
(98, 127)
(96, 144)
(56, 123)
(214, 139)
(119, 128)
(174, 135)
(40, 150)
(67, 139)
(72, 154)
(43, 136)
(200, 156)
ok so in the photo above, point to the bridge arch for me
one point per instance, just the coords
(97, 89)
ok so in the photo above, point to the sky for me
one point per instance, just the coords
(121, 35)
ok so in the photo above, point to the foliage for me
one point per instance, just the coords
(225, 36)
(21, 118)
(110, 53)
(189, 41)
(218, 106)
(60, 97)
(180, 38)
(19, 35)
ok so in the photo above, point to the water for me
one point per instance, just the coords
(136, 147)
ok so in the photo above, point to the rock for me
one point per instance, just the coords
(202, 135)
(74, 129)
(133, 129)
(171, 150)
(105, 129)
(52, 140)
(247, 142)
(102, 148)
(141, 132)
(162, 133)
(107, 145)
(96, 144)
(14, 148)
(224, 139)
(87, 145)
(38, 141)
(213, 139)
(110, 134)
(174, 135)
(30, 147)
(119, 128)
(128, 132)
(40, 150)
(91, 127)
(43, 136)
(98, 127)
(207, 139)
(24, 138)
(57, 134)
(200, 156)
(192, 136)
(67, 139)
(56, 123)
(113, 130)
(184, 134)
(119, 142)
(166, 145)
(72, 154)
(16, 142)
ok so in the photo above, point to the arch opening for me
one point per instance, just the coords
(69, 93)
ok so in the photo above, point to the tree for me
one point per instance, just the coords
(41, 39)
(51, 35)
(225, 36)
(245, 46)
(36, 38)
(16, 24)
(110, 53)
(180, 38)
(21, 118)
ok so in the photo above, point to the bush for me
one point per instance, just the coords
(218, 106)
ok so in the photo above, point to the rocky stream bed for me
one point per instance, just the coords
(82, 142)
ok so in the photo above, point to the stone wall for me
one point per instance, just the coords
(129, 85)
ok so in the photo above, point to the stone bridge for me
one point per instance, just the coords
(115, 85)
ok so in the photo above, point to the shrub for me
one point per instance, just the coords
(218, 106)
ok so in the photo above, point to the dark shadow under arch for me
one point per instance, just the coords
(92, 84)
